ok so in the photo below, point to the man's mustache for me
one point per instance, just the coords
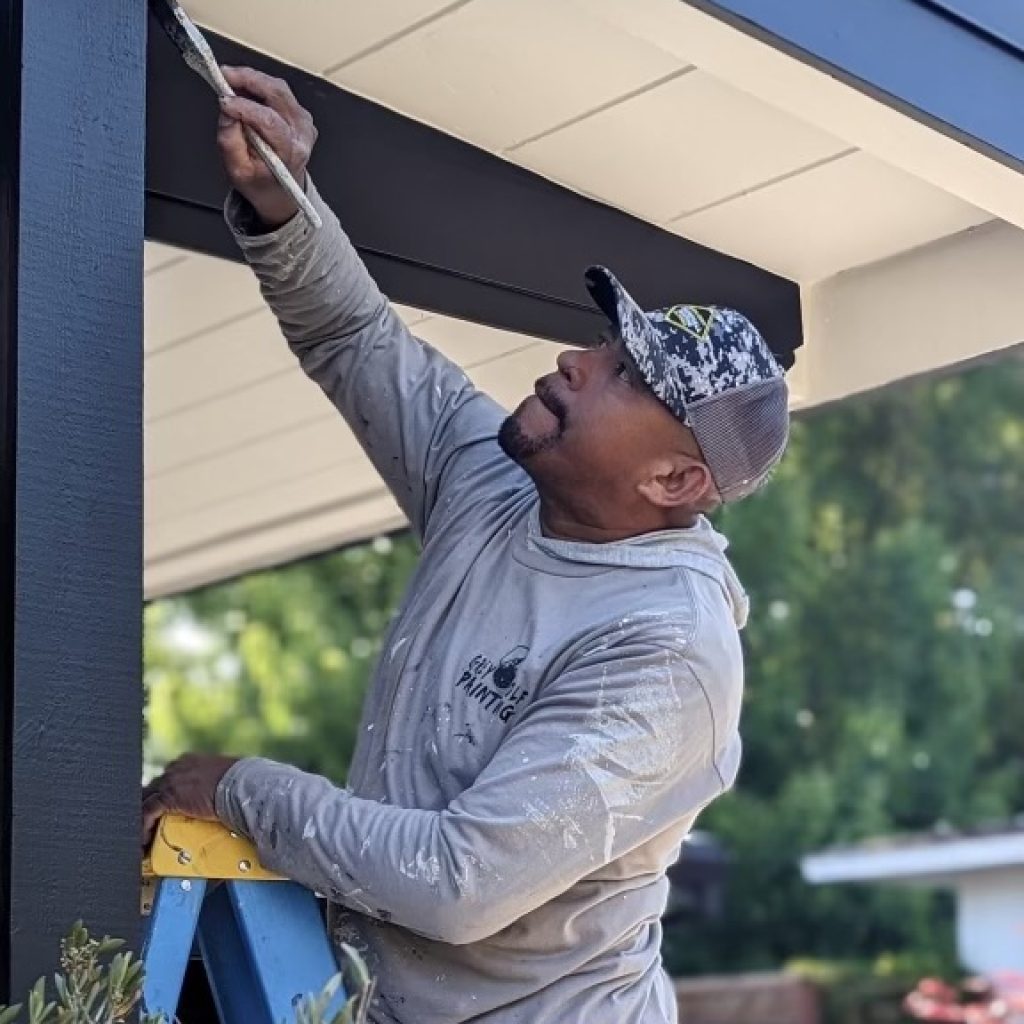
(551, 401)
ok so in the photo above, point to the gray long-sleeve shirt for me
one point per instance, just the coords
(545, 722)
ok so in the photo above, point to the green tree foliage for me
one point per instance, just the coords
(885, 649)
(884, 652)
(274, 663)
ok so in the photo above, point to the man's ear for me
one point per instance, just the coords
(680, 481)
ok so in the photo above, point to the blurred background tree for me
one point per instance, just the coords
(274, 663)
(885, 651)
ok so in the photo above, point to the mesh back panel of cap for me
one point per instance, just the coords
(742, 434)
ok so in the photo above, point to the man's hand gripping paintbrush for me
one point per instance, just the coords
(268, 106)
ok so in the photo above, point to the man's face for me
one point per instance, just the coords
(593, 422)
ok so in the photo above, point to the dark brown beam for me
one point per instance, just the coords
(442, 224)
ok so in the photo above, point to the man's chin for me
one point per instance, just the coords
(520, 446)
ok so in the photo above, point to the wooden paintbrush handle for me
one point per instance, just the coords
(283, 175)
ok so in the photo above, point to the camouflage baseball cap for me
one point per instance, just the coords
(712, 369)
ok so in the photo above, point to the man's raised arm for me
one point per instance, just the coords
(413, 411)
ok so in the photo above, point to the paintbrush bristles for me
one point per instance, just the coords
(189, 41)
(166, 14)
(210, 68)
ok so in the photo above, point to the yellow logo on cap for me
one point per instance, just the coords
(695, 320)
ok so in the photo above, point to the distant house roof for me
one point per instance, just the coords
(934, 857)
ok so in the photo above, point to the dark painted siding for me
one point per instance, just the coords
(71, 525)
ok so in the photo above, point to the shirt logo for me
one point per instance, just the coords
(493, 684)
(505, 674)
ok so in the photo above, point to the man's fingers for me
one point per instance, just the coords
(234, 146)
(267, 107)
(274, 92)
(262, 119)
(188, 786)
(153, 810)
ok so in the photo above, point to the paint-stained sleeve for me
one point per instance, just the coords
(611, 753)
(415, 413)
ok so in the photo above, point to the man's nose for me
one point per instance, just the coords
(570, 366)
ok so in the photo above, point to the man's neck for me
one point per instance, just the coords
(560, 522)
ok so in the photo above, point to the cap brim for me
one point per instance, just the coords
(610, 297)
(636, 330)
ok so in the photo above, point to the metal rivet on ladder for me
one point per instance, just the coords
(244, 865)
(184, 857)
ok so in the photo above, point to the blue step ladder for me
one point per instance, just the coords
(261, 938)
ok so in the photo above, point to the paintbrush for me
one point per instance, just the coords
(199, 57)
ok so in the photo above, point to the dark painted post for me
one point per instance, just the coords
(72, 106)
